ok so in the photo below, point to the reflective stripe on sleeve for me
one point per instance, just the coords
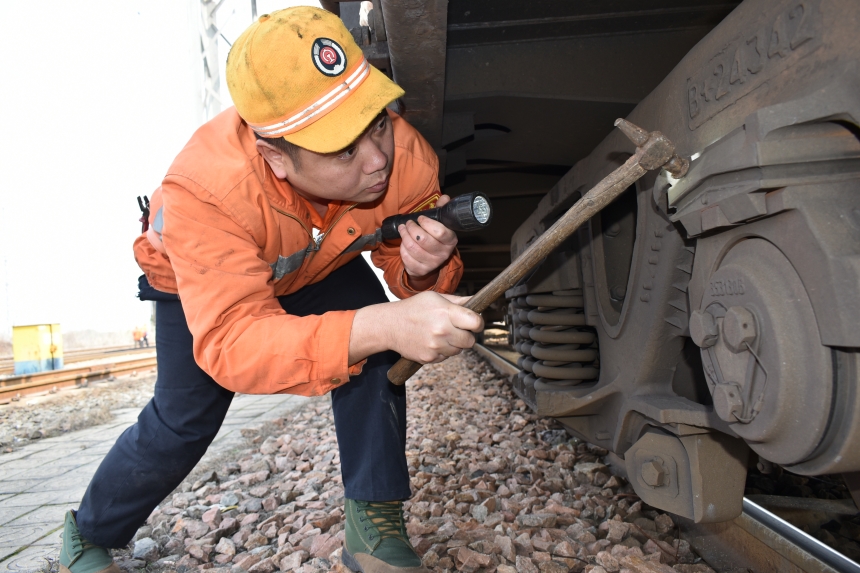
(286, 265)
(364, 241)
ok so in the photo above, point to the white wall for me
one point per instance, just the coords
(96, 99)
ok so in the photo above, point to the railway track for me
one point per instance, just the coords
(7, 364)
(757, 540)
(14, 387)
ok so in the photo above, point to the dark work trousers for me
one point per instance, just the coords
(152, 457)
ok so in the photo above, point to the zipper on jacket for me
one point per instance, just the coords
(299, 221)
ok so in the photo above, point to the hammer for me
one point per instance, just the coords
(653, 150)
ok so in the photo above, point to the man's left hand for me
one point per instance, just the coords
(426, 245)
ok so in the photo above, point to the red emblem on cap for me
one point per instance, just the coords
(328, 57)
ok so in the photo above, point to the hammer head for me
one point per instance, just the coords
(655, 149)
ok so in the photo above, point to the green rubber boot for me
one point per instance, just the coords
(376, 540)
(79, 555)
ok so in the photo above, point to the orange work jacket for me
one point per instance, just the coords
(228, 237)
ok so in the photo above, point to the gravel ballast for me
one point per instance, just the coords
(496, 489)
(35, 417)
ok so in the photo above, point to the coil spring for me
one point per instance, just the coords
(557, 347)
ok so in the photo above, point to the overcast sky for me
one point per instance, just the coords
(96, 99)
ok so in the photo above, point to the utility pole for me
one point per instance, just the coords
(209, 53)
(209, 34)
(6, 290)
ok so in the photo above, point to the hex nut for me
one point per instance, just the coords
(703, 329)
(738, 328)
(728, 403)
(653, 473)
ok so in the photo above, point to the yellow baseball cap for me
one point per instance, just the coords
(298, 74)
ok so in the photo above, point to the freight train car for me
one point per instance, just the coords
(696, 325)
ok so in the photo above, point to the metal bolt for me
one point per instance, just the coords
(764, 466)
(653, 473)
(618, 292)
(728, 403)
(703, 329)
(738, 328)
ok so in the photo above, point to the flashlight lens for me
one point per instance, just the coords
(481, 209)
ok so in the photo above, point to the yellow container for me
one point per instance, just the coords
(37, 348)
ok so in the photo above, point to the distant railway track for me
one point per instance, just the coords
(12, 387)
(757, 539)
(72, 356)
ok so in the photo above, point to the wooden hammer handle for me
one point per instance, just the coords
(654, 150)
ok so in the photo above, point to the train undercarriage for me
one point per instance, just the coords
(695, 326)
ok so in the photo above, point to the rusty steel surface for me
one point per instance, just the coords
(416, 32)
(13, 387)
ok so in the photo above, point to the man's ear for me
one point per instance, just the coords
(278, 161)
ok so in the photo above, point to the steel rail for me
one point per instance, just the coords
(7, 363)
(809, 544)
(13, 387)
(78, 351)
(756, 539)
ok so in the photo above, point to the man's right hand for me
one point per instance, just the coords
(426, 328)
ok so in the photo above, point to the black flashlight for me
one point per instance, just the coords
(469, 212)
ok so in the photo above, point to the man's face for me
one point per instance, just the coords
(359, 173)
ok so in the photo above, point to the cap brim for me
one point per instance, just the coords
(341, 126)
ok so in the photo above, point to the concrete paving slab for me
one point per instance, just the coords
(248, 414)
(101, 449)
(30, 559)
(57, 468)
(9, 474)
(60, 450)
(69, 463)
(70, 498)
(33, 500)
(50, 476)
(46, 515)
(86, 433)
(22, 453)
(11, 532)
(67, 482)
(14, 486)
(53, 539)
(12, 456)
(12, 513)
(78, 458)
(31, 448)
(8, 550)
(23, 464)
(87, 443)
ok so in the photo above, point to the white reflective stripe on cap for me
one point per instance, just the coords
(316, 109)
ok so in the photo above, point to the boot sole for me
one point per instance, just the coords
(376, 565)
(350, 561)
(112, 568)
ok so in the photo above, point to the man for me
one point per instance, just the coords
(254, 260)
